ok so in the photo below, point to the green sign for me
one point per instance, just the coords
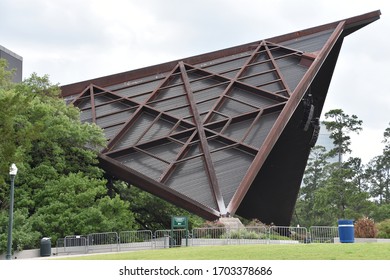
(179, 222)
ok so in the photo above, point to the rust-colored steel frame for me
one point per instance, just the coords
(285, 115)
(190, 122)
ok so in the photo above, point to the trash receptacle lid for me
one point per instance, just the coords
(345, 222)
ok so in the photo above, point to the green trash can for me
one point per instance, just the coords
(346, 231)
(45, 247)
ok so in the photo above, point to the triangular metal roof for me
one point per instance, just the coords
(224, 132)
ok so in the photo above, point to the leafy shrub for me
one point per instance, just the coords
(365, 228)
(276, 236)
(256, 223)
(244, 234)
(384, 229)
(213, 224)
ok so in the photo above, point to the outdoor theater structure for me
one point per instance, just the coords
(222, 133)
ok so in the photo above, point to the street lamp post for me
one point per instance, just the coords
(12, 173)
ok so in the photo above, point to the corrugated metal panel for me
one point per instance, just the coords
(236, 130)
(292, 71)
(181, 113)
(100, 99)
(261, 56)
(86, 115)
(113, 119)
(233, 108)
(205, 107)
(251, 98)
(231, 74)
(224, 59)
(190, 178)
(227, 65)
(170, 92)
(137, 129)
(205, 83)
(195, 74)
(167, 151)
(215, 144)
(144, 164)
(174, 79)
(279, 52)
(111, 131)
(171, 103)
(159, 129)
(138, 89)
(155, 78)
(209, 93)
(216, 117)
(258, 68)
(230, 166)
(261, 79)
(111, 108)
(141, 98)
(261, 129)
(273, 87)
(83, 103)
(194, 150)
(310, 43)
(183, 136)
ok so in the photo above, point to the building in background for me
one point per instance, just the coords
(325, 141)
(14, 62)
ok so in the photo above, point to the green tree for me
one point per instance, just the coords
(378, 172)
(340, 125)
(23, 235)
(360, 178)
(341, 197)
(5, 75)
(151, 212)
(331, 191)
(75, 204)
(60, 190)
(314, 178)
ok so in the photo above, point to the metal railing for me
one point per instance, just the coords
(229, 236)
(72, 244)
(135, 240)
(146, 239)
(171, 238)
(288, 235)
(107, 241)
(323, 234)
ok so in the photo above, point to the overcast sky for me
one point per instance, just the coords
(75, 40)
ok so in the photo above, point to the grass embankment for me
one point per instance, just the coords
(348, 251)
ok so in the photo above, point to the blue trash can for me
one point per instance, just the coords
(346, 231)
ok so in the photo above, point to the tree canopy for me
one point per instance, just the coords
(60, 190)
(348, 188)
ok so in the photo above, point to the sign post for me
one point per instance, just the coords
(180, 222)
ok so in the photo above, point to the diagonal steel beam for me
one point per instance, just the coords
(93, 109)
(279, 73)
(203, 143)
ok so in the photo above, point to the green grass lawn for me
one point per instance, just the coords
(347, 251)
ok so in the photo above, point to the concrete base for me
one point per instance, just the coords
(232, 223)
(366, 240)
(25, 254)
